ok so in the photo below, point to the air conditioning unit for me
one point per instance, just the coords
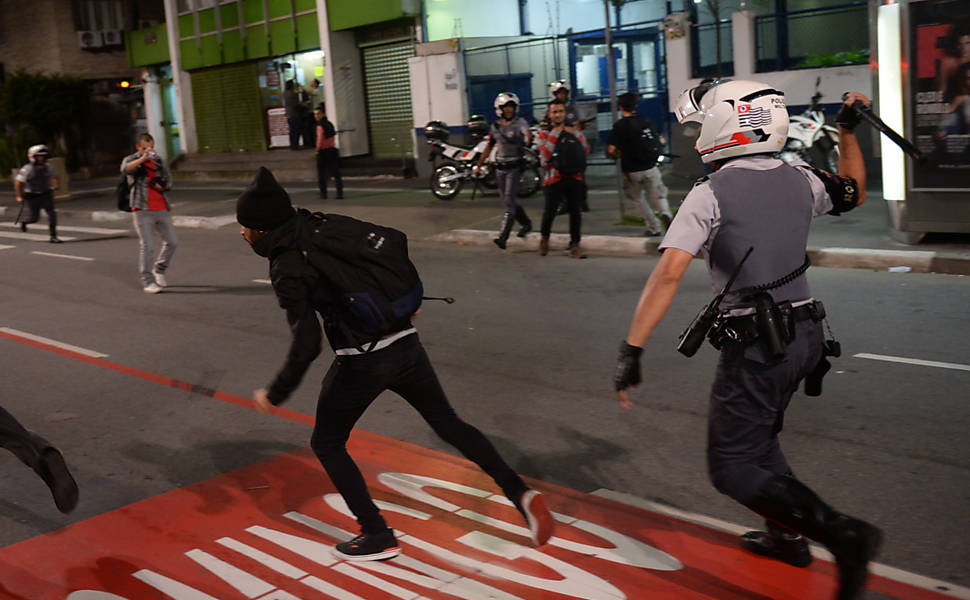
(89, 39)
(146, 23)
(113, 38)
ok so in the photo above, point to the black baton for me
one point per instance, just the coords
(904, 144)
(20, 213)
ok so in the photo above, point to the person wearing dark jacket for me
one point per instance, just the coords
(396, 362)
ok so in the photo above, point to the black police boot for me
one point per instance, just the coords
(524, 220)
(54, 238)
(53, 470)
(791, 504)
(778, 542)
(504, 230)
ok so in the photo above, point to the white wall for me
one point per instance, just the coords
(471, 18)
(438, 88)
(348, 91)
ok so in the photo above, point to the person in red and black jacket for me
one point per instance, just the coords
(560, 188)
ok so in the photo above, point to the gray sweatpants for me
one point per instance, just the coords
(650, 182)
(147, 222)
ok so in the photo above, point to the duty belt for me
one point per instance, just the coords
(744, 329)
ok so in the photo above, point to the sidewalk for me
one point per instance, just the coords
(859, 239)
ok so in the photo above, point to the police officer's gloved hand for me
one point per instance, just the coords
(627, 366)
(849, 116)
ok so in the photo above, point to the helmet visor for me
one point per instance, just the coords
(688, 107)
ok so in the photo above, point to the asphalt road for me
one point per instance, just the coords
(526, 354)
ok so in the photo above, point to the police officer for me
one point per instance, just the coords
(36, 183)
(509, 134)
(753, 200)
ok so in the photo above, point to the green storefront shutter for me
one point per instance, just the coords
(388, 92)
(228, 111)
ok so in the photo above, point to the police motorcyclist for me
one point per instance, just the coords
(509, 134)
(559, 90)
(753, 200)
(36, 183)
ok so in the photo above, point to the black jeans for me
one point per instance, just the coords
(25, 445)
(328, 163)
(353, 382)
(571, 191)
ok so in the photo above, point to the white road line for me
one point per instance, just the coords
(913, 361)
(928, 583)
(37, 338)
(62, 255)
(262, 281)
(32, 237)
(99, 230)
(3, 247)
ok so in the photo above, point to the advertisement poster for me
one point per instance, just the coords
(941, 92)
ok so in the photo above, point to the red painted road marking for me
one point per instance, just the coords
(264, 532)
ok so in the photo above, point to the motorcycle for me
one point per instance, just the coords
(811, 140)
(456, 169)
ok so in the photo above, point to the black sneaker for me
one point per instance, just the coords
(665, 220)
(53, 470)
(524, 231)
(792, 550)
(369, 546)
(500, 243)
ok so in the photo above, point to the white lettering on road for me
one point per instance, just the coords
(247, 584)
(913, 361)
(176, 589)
(267, 560)
(70, 256)
(54, 343)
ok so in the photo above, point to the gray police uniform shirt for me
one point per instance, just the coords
(758, 202)
(509, 139)
(36, 178)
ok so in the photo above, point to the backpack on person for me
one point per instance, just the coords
(646, 145)
(569, 155)
(367, 267)
(123, 191)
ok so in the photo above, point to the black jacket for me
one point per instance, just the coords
(302, 292)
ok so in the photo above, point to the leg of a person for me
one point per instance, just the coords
(144, 225)
(333, 156)
(46, 202)
(511, 191)
(322, 172)
(502, 177)
(574, 201)
(294, 125)
(170, 240)
(747, 399)
(33, 205)
(420, 387)
(552, 206)
(350, 386)
(639, 183)
(22, 443)
(657, 191)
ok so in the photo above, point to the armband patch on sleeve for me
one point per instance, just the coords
(843, 191)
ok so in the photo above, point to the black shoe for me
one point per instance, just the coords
(23, 227)
(369, 546)
(500, 243)
(55, 240)
(665, 220)
(854, 543)
(340, 196)
(524, 231)
(53, 470)
(792, 550)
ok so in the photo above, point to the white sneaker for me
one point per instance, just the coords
(160, 279)
(152, 288)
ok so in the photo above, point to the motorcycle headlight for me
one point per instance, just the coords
(795, 144)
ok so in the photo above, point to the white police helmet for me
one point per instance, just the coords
(736, 118)
(555, 86)
(37, 150)
(503, 99)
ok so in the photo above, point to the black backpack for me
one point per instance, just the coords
(366, 268)
(646, 145)
(124, 194)
(569, 155)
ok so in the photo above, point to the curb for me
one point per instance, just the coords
(898, 261)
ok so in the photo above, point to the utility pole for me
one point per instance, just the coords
(611, 70)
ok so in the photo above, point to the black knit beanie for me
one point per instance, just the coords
(264, 204)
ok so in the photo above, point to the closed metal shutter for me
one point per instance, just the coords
(228, 113)
(388, 91)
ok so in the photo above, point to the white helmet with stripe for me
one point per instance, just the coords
(37, 150)
(736, 118)
(503, 99)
